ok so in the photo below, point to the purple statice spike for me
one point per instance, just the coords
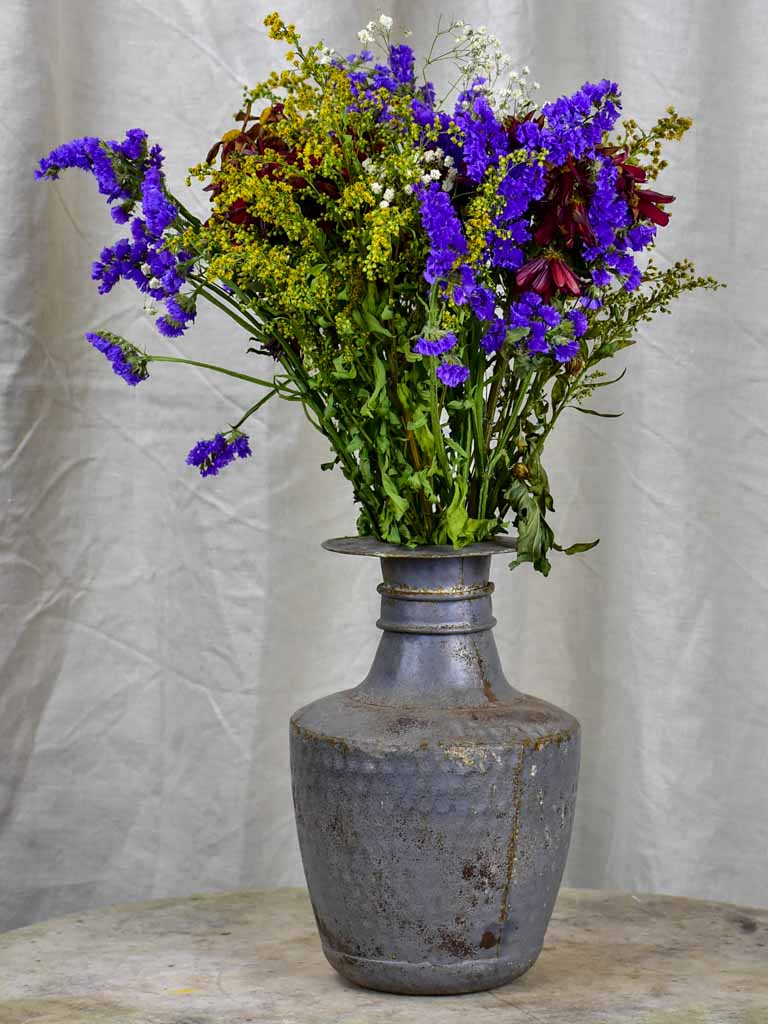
(126, 360)
(579, 321)
(452, 374)
(128, 173)
(494, 337)
(425, 347)
(159, 211)
(443, 229)
(569, 350)
(210, 456)
(401, 63)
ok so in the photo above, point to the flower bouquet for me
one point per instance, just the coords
(434, 282)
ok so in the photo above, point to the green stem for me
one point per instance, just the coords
(502, 442)
(210, 366)
(255, 408)
(245, 324)
(437, 431)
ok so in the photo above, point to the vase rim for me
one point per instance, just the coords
(382, 549)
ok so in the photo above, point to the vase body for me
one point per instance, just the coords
(433, 802)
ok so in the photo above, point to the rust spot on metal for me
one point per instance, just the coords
(455, 944)
(403, 723)
(489, 940)
(517, 789)
(337, 742)
(490, 696)
(424, 745)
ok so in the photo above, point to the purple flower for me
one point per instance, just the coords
(443, 229)
(494, 337)
(452, 374)
(159, 211)
(579, 321)
(563, 353)
(127, 361)
(127, 173)
(401, 62)
(212, 455)
(483, 303)
(439, 347)
(484, 138)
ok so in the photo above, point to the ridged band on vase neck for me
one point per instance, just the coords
(438, 596)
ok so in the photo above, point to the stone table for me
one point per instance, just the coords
(255, 957)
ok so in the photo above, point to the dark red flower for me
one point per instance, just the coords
(563, 211)
(644, 203)
(647, 206)
(547, 274)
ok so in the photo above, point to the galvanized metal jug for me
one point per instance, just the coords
(433, 802)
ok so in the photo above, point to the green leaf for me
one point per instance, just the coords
(605, 383)
(558, 391)
(534, 535)
(455, 516)
(594, 412)
(342, 371)
(379, 383)
(375, 326)
(398, 503)
(576, 549)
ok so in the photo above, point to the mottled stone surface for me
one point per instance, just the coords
(255, 957)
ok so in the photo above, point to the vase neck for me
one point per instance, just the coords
(437, 646)
(439, 597)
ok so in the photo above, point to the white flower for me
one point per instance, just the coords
(364, 36)
(435, 174)
(429, 156)
(146, 270)
(526, 70)
(513, 75)
(536, 85)
(383, 205)
(371, 26)
(447, 185)
(150, 306)
(389, 194)
(498, 312)
(376, 187)
(426, 179)
(155, 282)
(385, 21)
(407, 32)
(448, 161)
(408, 189)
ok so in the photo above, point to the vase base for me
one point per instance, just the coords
(427, 979)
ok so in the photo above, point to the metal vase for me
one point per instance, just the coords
(433, 802)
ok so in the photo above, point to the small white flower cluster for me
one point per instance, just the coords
(481, 55)
(444, 168)
(429, 165)
(368, 34)
(379, 187)
(324, 53)
(515, 96)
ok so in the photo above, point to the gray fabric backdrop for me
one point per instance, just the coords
(157, 630)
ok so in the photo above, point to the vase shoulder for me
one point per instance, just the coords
(376, 728)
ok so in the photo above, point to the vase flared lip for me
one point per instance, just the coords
(382, 549)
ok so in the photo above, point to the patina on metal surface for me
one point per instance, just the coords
(434, 801)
